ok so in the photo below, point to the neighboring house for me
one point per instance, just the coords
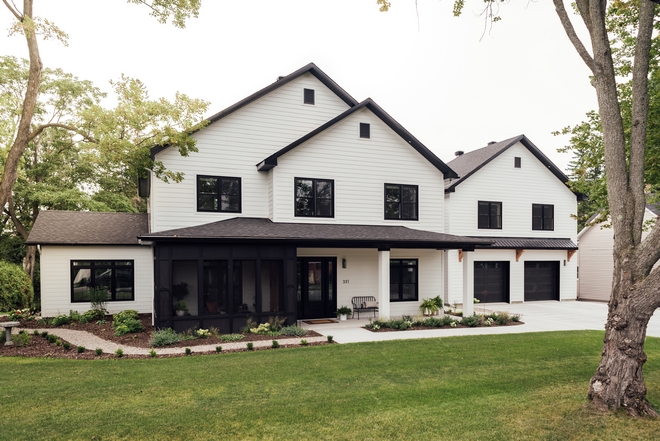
(511, 193)
(298, 199)
(595, 258)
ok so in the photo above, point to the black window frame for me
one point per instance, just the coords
(400, 202)
(488, 219)
(314, 198)
(309, 96)
(113, 266)
(543, 217)
(517, 162)
(400, 267)
(365, 130)
(218, 193)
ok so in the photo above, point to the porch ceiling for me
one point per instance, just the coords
(262, 231)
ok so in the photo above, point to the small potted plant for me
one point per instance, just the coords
(181, 307)
(428, 307)
(343, 312)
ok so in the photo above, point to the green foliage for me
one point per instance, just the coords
(164, 337)
(344, 310)
(232, 337)
(188, 351)
(66, 345)
(275, 323)
(275, 345)
(250, 346)
(152, 353)
(98, 352)
(44, 334)
(293, 330)
(471, 321)
(218, 349)
(303, 342)
(181, 305)
(15, 287)
(125, 322)
(428, 306)
(80, 349)
(203, 333)
(58, 342)
(330, 338)
(98, 298)
(20, 314)
(59, 320)
(22, 338)
(119, 352)
(52, 338)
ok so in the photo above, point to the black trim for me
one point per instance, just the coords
(489, 215)
(365, 130)
(218, 193)
(309, 96)
(401, 203)
(543, 217)
(399, 266)
(107, 265)
(517, 162)
(315, 200)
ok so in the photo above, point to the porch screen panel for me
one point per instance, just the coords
(216, 298)
(184, 284)
(245, 286)
(272, 296)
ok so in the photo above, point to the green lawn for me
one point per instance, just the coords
(525, 386)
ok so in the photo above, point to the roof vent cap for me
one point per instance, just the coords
(492, 142)
(459, 153)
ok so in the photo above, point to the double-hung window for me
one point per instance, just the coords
(314, 197)
(218, 193)
(490, 215)
(543, 217)
(114, 277)
(401, 201)
(403, 280)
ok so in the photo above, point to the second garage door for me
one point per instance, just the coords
(541, 281)
(491, 281)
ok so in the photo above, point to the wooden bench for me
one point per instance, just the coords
(358, 305)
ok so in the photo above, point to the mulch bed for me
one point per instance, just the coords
(40, 347)
(419, 328)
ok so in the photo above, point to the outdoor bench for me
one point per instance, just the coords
(364, 303)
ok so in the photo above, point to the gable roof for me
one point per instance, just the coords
(469, 163)
(263, 230)
(271, 161)
(53, 227)
(281, 81)
(594, 219)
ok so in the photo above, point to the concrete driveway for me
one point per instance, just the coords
(538, 316)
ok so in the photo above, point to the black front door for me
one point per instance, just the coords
(317, 287)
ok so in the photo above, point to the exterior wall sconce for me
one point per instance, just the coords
(343, 263)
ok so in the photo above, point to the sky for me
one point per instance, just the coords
(454, 83)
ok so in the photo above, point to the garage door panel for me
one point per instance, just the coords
(491, 281)
(541, 280)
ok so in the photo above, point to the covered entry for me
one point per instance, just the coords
(541, 280)
(317, 287)
(491, 281)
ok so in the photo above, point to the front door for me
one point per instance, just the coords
(317, 287)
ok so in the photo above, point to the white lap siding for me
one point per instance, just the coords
(56, 277)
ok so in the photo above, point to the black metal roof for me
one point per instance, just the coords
(281, 81)
(271, 161)
(53, 227)
(469, 163)
(262, 230)
(531, 243)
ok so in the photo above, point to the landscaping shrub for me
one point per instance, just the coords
(293, 330)
(51, 338)
(471, 321)
(80, 349)
(250, 346)
(119, 352)
(231, 337)
(60, 320)
(125, 322)
(164, 337)
(275, 323)
(218, 349)
(303, 342)
(20, 314)
(66, 345)
(98, 351)
(98, 297)
(21, 339)
(203, 333)
(152, 353)
(16, 290)
(188, 351)
(276, 344)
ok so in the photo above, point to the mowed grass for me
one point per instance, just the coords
(497, 387)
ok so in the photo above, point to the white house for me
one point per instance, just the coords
(511, 193)
(595, 258)
(299, 199)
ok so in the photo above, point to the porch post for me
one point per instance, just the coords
(384, 283)
(468, 283)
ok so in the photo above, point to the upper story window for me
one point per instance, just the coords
(543, 217)
(365, 130)
(114, 277)
(314, 197)
(309, 96)
(218, 193)
(517, 162)
(401, 201)
(490, 215)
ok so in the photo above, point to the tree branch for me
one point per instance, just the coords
(36, 132)
(20, 228)
(648, 252)
(572, 36)
(13, 10)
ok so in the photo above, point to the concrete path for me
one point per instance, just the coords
(538, 316)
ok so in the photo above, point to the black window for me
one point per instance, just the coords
(113, 276)
(490, 215)
(401, 201)
(517, 162)
(217, 193)
(308, 96)
(365, 130)
(315, 197)
(403, 280)
(543, 217)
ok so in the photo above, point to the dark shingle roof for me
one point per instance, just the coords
(531, 243)
(469, 163)
(87, 228)
(654, 208)
(281, 81)
(244, 229)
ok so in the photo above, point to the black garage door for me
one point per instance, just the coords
(491, 281)
(541, 281)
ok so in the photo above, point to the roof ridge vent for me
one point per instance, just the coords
(459, 153)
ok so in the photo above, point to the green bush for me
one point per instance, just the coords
(152, 353)
(119, 352)
(80, 349)
(21, 339)
(293, 330)
(16, 290)
(276, 344)
(60, 320)
(164, 337)
(471, 321)
(125, 322)
(250, 346)
(98, 351)
(231, 337)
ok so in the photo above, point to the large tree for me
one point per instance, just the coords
(618, 381)
(30, 26)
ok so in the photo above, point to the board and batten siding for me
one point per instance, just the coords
(596, 260)
(360, 277)
(56, 277)
(517, 189)
(360, 168)
(233, 146)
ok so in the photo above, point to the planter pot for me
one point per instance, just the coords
(342, 316)
(180, 313)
